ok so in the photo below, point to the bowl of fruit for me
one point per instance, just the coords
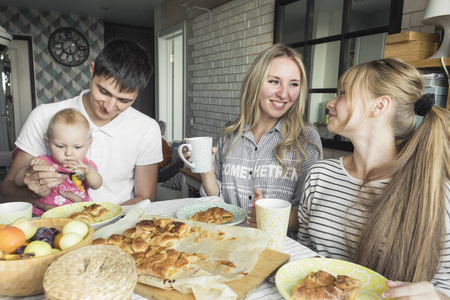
(28, 247)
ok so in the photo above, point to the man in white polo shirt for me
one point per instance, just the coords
(126, 143)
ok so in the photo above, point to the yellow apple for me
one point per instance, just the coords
(54, 250)
(39, 248)
(76, 226)
(69, 239)
(28, 227)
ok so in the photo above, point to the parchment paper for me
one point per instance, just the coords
(239, 245)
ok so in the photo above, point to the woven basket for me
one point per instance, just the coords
(94, 272)
(24, 277)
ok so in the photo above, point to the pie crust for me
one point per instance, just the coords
(91, 213)
(214, 215)
(151, 243)
(323, 285)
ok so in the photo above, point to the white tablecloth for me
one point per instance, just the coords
(169, 208)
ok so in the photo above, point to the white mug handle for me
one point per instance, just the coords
(180, 153)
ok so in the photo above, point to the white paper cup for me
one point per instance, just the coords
(272, 215)
(201, 155)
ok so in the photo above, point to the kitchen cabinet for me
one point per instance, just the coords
(433, 64)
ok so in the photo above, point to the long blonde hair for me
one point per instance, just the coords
(293, 126)
(404, 235)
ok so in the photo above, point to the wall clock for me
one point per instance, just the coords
(68, 46)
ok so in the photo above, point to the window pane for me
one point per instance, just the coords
(294, 17)
(369, 14)
(327, 18)
(325, 65)
(317, 110)
(365, 48)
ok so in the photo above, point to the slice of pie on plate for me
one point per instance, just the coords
(322, 285)
(214, 215)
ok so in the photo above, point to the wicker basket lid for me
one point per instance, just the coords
(92, 272)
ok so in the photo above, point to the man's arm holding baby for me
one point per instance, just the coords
(38, 180)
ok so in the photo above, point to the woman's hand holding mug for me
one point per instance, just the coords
(198, 154)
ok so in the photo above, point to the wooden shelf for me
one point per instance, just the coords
(434, 63)
(430, 63)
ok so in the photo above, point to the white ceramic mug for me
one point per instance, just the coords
(272, 215)
(201, 155)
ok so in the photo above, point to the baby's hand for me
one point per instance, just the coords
(78, 166)
(38, 161)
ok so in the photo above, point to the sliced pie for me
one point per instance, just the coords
(91, 214)
(215, 215)
(323, 285)
(151, 244)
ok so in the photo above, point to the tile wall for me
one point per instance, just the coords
(54, 82)
(413, 11)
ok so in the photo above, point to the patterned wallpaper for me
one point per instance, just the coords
(54, 82)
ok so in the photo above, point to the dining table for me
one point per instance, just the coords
(169, 208)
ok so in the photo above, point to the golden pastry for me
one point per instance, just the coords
(130, 232)
(96, 210)
(215, 215)
(323, 285)
(82, 216)
(91, 213)
(151, 243)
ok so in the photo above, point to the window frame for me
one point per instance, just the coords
(394, 26)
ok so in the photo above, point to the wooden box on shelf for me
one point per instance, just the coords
(411, 46)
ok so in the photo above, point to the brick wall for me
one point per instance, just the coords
(220, 53)
(413, 11)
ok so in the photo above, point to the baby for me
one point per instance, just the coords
(68, 139)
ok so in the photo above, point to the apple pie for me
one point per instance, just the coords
(151, 243)
(214, 215)
(323, 285)
(91, 214)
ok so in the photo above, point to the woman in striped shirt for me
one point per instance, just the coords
(269, 148)
(387, 205)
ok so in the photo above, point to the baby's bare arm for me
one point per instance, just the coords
(93, 178)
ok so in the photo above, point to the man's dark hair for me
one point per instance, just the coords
(128, 63)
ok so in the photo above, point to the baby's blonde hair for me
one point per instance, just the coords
(68, 116)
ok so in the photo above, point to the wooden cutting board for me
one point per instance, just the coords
(269, 261)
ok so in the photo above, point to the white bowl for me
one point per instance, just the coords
(11, 211)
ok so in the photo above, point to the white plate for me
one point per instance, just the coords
(238, 213)
(292, 274)
(65, 211)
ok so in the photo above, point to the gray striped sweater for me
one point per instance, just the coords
(250, 165)
(328, 200)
